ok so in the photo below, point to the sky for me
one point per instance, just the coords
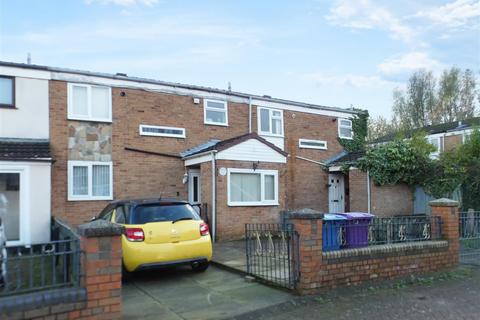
(336, 53)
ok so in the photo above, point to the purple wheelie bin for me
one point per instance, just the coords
(357, 228)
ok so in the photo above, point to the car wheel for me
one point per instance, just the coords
(200, 266)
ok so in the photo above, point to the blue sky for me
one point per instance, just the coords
(336, 53)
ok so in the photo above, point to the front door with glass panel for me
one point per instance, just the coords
(336, 193)
(10, 209)
(194, 193)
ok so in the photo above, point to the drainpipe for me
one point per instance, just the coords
(214, 201)
(250, 114)
(368, 192)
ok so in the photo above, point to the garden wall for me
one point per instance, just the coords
(99, 293)
(323, 270)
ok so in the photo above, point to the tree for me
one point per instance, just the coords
(467, 96)
(379, 127)
(412, 108)
(449, 95)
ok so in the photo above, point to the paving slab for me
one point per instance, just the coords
(183, 294)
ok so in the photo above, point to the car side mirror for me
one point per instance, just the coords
(93, 218)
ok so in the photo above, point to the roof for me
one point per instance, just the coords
(120, 76)
(225, 144)
(24, 149)
(345, 157)
(434, 129)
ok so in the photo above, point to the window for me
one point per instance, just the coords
(312, 144)
(106, 213)
(146, 130)
(87, 102)
(120, 216)
(7, 92)
(270, 122)
(248, 187)
(437, 142)
(89, 180)
(215, 112)
(345, 129)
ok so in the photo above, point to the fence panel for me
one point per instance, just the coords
(272, 253)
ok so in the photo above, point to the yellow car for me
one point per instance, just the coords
(160, 232)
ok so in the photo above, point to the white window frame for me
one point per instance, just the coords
(89, 196)
(73, 116)
(300, 145)
(207, 108)
(441, 145)
(153, 134)
(343, 126)
(270, 117)
(262, 202)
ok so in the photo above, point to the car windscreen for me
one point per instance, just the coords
(163, 212)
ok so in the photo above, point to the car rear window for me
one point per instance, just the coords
(163, 212)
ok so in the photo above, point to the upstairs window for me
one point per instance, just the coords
(215, 112)
(157, 131)
(437, 142)
(345, 130)
(312, 144)
(89, 180)
(7, 92)
(270, 122)
(88, 102)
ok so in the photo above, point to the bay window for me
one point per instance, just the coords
(248, 187)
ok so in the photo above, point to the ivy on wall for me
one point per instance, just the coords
(360, 130)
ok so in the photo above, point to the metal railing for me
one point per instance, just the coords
(272, 253)
(342, 234)
(50, 265)
(469, 231)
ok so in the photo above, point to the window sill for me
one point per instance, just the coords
(70, 199)
(89, 120)
(253, 204)
(7, 106)
(263, 134)
(216, 124)
(346, 138)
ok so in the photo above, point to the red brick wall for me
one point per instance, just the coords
(231, 220)
(142, 175)
(386, 200)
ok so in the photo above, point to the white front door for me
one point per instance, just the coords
(336, 193)
(194, 192)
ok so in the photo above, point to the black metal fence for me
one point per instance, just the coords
(469, 230)
(341, 234)
(54, 264)
(272, 253)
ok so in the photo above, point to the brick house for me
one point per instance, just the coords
(247, 157)
(362, 194)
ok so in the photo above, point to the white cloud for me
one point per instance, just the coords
(455, 14)
(363, 14)
(409, 62)
(124, 3)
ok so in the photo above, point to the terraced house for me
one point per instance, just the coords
(242, 157)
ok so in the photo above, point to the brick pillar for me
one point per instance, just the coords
(101, 269)
(309, 226)
(448, 211)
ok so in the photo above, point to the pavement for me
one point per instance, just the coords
(445, 296)
(173, 294)
(230, 254)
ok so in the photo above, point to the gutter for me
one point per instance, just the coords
(250, 114)
(369, 200)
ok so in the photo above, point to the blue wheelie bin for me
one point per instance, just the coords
(332, 231)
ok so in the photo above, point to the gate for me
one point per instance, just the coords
(469, 225)
(272, 253)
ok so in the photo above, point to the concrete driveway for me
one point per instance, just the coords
(183, 294)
